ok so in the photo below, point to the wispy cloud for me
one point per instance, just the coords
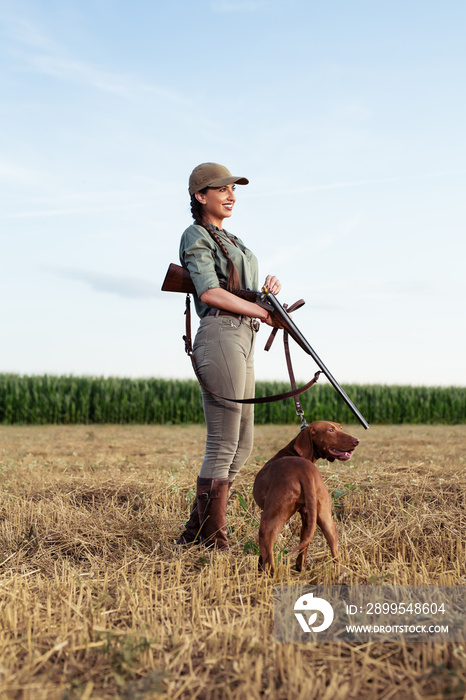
(354, 183)
(58, 200)
(25, 32)
(126, 287)
(44, 56)
(65, 211)
(73, 70)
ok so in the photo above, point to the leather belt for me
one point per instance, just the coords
(220, 312)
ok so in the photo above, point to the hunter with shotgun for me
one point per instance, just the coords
(220, 272)
(220, 265)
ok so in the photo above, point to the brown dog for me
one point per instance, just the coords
(291, 482)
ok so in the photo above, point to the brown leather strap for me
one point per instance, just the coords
(262, 399)
(294, 307)
(297, 402)
(187, 338)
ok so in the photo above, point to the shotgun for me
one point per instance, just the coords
(298, 337)
(178, 279)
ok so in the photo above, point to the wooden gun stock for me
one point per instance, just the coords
(178, 279)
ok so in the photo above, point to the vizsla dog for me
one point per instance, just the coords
(291, 482)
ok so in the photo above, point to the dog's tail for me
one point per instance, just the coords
(309, 517)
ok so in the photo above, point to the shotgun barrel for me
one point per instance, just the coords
(302, 342)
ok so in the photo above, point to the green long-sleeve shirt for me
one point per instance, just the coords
(207, 264)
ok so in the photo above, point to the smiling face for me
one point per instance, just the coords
(217, 203)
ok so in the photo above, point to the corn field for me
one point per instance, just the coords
(68, 400)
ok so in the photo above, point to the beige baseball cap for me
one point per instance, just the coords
(212, 175)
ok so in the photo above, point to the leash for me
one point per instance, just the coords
(294, 393)
(299, 408)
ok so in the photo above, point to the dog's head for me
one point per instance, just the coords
(325, 440)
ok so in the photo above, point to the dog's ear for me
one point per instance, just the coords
(303, 443)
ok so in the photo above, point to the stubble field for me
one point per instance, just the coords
(96, 602)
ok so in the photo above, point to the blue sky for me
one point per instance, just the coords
(348, 117)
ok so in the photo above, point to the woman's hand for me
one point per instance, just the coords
(273, 284)
(272, 320)
(269, 321)
(221, 299)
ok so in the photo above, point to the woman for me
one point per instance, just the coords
(220, 265)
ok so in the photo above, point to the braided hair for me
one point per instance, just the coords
(196, 208)
(197, 211)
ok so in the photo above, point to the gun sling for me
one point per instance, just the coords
(261, 399)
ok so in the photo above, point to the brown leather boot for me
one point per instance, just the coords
(212, 496)
(190, 534)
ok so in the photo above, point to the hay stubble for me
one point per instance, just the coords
(96, 602)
